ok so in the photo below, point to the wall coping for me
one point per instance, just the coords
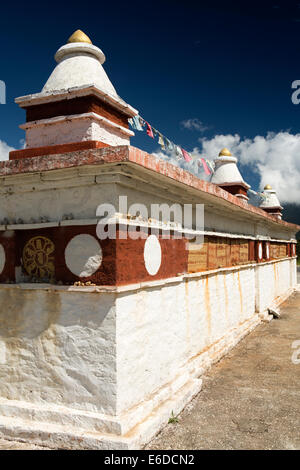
(136, 157)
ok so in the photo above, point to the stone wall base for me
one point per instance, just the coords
(106, 369)
(56, 435)
(62, 427)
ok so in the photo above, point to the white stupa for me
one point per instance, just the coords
(270, 202)
(228, 176)
(78, 103)
(79, 64)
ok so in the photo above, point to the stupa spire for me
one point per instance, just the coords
(270, 202)
(79, 36)
(78, 105)
(228, 176)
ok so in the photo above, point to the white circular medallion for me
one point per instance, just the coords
(2, 258)
(152, 255)
(260, 251)
(83, 255)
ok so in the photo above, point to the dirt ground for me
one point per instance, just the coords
(249, 400)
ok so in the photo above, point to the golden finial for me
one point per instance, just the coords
(79, 36)
(268, 186)
(225, 153)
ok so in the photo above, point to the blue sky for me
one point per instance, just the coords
(226, 65)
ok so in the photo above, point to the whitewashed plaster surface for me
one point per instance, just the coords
(152, 255)
(226, 171)
(2, 258)
(273, 280)
(83, 255)
(79, 64)
(130, 356)
(75, 129)
(260, 251)
(60, 348)
(271, 199)
(163, 329)
(80, 191)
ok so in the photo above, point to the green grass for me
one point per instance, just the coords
(173, 418)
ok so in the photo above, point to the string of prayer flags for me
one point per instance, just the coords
(138, 123)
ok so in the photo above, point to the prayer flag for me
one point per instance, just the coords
(135, 123)
(206, 169)
(186, 155)
(170, 145)
(161, 141)
(149, 130)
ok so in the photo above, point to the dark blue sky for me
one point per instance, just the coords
(228, 65)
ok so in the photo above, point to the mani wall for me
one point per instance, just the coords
(101, 340)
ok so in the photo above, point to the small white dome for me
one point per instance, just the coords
(79, 64)
(226, 170)
(270, 200)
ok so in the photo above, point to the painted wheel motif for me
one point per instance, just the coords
(38, 258)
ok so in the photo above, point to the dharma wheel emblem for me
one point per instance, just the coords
(38, 258)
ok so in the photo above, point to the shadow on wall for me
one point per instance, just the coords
(30, 313)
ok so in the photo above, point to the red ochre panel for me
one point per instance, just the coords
(123, 259)
(55, 149)
(131, 264)
(106, 274)
(61, 236)
(80, 105)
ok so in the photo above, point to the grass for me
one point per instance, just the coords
(173, 419)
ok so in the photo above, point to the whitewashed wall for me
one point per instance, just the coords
(116, 364)
(58, 347)
(74, 130)
(273, 280)
(164, 330)
(79, 191)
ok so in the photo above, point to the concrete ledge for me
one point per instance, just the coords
(68, 437)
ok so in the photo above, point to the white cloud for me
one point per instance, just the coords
(194, 124)
(4, 150)
(275, 157)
